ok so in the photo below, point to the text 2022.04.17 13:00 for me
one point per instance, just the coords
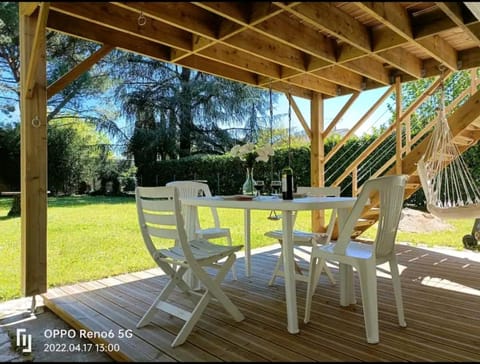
(80, 348)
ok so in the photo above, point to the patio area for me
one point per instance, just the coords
(441, 292)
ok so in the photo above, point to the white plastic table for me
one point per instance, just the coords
(343, 204)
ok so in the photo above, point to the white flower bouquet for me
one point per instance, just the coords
(251, 153)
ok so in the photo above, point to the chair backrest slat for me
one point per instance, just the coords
(157, 219)
(163, 233)
(150, 203)
(193, 189)
(391, 191)
(328, 191)
(159, 216)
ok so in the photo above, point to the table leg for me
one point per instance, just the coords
(246, 228)
(190, 216)
(347, 289)
(289, 272)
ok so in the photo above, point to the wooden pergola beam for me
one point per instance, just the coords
(78, 70)
(39, 33)
(340, 114)
(300, 117)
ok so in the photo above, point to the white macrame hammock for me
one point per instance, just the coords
(450, 191)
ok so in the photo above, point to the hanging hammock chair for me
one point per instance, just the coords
(450, 190)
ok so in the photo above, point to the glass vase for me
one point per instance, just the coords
(248, 187)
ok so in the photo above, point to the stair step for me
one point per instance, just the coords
(372, 213)
(364, 223)
(462, 140)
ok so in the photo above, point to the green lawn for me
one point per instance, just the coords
(93, 237)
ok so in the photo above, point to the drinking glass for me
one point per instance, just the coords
(259, 184)
(276, 186)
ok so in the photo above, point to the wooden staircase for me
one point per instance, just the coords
(465, 126)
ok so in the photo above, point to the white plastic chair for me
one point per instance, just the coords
(194, 189)
(304, 239)
(161, 223)
(365, 257)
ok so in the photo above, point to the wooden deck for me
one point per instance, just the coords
(441, 298)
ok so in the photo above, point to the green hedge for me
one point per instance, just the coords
(225, 174)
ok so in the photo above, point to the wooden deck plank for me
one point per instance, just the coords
(218, 321)
(122, 300)
(65, 305)
(443, 317)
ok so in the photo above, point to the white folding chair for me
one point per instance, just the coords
(194, 189)
(304, 239)
(389, 190)
(163, 231)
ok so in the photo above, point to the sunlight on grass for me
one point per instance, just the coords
(94, 237)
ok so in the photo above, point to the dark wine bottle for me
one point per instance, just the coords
(287, 183)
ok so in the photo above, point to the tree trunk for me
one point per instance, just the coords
(185, 115)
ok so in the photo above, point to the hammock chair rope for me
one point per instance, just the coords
(449, 188)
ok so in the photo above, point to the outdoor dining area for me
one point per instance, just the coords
(325, 294)
(418, 304)
(441, 296)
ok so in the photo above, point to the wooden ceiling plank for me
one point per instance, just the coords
(277, 28)
(341, 76)
(315, 84)
(441, 51)
(432, 23)
(228, 55)
(182, 15)
(218, 69)
(404, 61)
(256, 44)
(83, 29)
(470, 58)
(370, 68)
(329, 18)
(93, 32)
(454, 12)
(232, 10)
(391, 14)
(284, 29)
(126, 21)
(78, 70)
(385, 38)
(396, 18)
(287, 56)
(297, 40)
(282, 86)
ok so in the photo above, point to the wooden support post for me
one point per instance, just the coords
(398, 122)
(355, 182)
(33, 147)
(317, 156)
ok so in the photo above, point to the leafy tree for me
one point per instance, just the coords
(10, 157)
(87, 98)
(177, 112)
(76, 154)
(9, 59)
